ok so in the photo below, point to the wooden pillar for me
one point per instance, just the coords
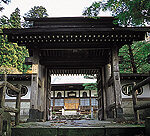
(34, 80)
(136, 112)
(54, 98)
(110, 100)
(1, 122)
(45, 92)
(64, 93)
(79, 97)
(2, 102)
(34, 112)
(18, 102)
(48, 109)
(100, 99)
(116, 82)
(104, 93)
(90, 97)
(2, 93)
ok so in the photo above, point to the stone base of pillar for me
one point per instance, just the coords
(147, 126)
(119, 115)
(110, 113)
(119, 112)
(35, 115)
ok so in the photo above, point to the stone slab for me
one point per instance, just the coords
(76, 131)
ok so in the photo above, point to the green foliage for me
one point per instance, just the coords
(140, 52)
(13, 22)
(127, 12)
(35, 12)
(90, 86)
(15, 19)
(11, 55)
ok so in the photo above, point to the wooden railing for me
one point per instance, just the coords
(136, 107)
(3, 86)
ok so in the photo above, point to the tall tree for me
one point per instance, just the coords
(15, 19)
(35, 12)
(12, 56)
(135, 58)
(127, 12)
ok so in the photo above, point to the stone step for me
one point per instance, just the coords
(80, 131)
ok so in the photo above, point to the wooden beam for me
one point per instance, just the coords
(2, 84)
(73, 67)
(12, 87)
(74, 58)
(64, 30)
(142, 83)
(1, 120)
(143, 106)
(70, 46)
(10, 109)
(79, 62)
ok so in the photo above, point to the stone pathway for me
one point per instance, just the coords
(74, 123)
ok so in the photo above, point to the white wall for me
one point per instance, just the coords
(25, 83)
(145, 94)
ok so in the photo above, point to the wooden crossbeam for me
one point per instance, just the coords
(143, 106)
(12, 87)
(142, 83)
(2, 84)
(10, 109)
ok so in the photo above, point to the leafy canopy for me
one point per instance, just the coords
(12, 56)
(35, 12)
(127, 12)
(140, 51)
(90, 86)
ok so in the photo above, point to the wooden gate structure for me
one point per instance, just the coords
(75, 45)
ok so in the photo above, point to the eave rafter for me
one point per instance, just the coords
(105, 38)
(73, 71)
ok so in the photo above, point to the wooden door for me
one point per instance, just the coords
(72, 103)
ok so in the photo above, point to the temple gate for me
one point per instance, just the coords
(75, 45)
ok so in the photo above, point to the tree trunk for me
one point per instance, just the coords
(132, 59)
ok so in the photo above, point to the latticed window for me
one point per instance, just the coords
(51, 102)
(94, 102)
(85, 102)
(59, 102)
